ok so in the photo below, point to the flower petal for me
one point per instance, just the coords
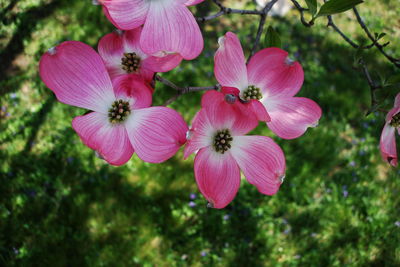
(77, 75)
(258, 109)
(199, 135)
(111, 49)
(135, 88)
(230, 64)
(261, 160)
(162, 63)
(392, 112)
(235, 116)
(291, 116)
(113, 46)
(388, 145)
(126, 14)
(212, 99)
(110, 141)
(193, 2)
(131, 41)
(217, 176)
(397, 100)
(170, 27)
(274, 73)
(156, 133)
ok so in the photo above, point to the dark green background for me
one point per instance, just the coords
(63, 206)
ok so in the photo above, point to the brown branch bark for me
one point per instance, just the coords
(183, 90)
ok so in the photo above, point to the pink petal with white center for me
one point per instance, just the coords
(110, 141)
(274, 73)
(261, 161)
(217, 117)
(201, 133)
(170, 27)
(291, 116)
(111, 49)
(230, 64)
(193, 2)
(77, 75)
(156, 133)
(134, 88)
(126, 14)
(217, 176)
(388, 145)
(161, 62)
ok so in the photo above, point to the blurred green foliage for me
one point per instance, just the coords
(63, 206)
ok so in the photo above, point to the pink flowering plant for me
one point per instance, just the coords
(388, 139)
(117, 83)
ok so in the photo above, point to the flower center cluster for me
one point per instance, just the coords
(222, 141)
(252, 92)
(395, 122)
(130, 62)
(119, 111)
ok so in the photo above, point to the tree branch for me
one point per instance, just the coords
(380, 47)
(373, 87)
(374, 42)
(336, 28)
(226, 10)
(302, 10)
(183, 90)
(261, 24)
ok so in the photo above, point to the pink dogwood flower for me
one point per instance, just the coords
(223, 151)
(250, 112)
(272, 78)
(169, 26)
(388, 139)
(122, 121)
(122, 55)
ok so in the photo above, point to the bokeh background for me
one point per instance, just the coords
(63, 206)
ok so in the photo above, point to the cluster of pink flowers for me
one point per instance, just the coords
(115, 86)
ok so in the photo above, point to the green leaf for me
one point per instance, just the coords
(337, 6)
(272, 38)
(312, 6)
(381, 35)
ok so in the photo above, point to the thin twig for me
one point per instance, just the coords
(183, 90)
(187, 89)
(258, 36)
(167, 82)
(260, 30)
(226, 10)
(302, 10)
(380, 47)
(344, 36)
(373, 87)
